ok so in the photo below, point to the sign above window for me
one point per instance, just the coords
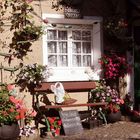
(70, 12)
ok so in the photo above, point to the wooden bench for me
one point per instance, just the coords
(50, 110)
(71, 87)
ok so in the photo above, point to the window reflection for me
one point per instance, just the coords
(51, 47)
(76, 60)
(62, 35)
(76, 47)
(87, 60)
(86, 47)
(62, 47)
(52, 60)
(63, 61)
(51, 35)
(76, 35)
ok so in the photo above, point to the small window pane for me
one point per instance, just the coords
(62, 35)
(63, 60)
(52, 60)
(51, 47)
(76, 47)
(86, 47)
(62, 47)
(76, 35)
(86, 35)
(51, 35)
(76, 61)
(87, 60)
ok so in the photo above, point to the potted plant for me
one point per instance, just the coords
(103, 93)
(14, 116)
(12, 111)
(31, 76)
(55, 125)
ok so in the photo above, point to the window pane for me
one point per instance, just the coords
(86, 35)
(51, 47)
(51, 35)
(63, 60)
(86, 47)
(76, 61)
(76, 47)
(52, 60)
(62, 35)
(87, 60)
(76, 35)
(62, 47)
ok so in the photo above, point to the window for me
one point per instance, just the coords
(68, 48)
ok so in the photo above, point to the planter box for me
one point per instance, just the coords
(84, 114)
(90, 124)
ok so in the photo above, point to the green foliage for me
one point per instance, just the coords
(31, 76)
(22, 25)
(8, 110)
(104, 93)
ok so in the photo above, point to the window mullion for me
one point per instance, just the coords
(70, 48)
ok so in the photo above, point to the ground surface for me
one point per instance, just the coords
(118, 131)
(123, 130)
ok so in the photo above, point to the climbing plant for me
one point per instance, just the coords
(19, 13)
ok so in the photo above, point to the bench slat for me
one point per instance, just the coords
(76, 105)
(69, 86)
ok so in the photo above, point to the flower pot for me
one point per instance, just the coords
(135, 118)
(9, 131)
(113, 117)
(90, 124)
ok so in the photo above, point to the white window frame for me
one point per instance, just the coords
(76, 73)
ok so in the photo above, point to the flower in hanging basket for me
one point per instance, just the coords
(114, 66)
(115, 26)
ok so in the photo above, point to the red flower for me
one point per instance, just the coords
(51, 120)
(59, 122)
(22, 113)
(17, 117)
(57, 131)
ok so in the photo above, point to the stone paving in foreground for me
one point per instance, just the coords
(122, 130)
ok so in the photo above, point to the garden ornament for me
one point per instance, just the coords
(59, 92)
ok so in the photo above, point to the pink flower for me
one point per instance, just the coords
(33, 113)
(121, 101)
(10, 87)
(45, 21)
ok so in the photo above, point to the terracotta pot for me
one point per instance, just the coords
(9, 131)
(113, 117)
